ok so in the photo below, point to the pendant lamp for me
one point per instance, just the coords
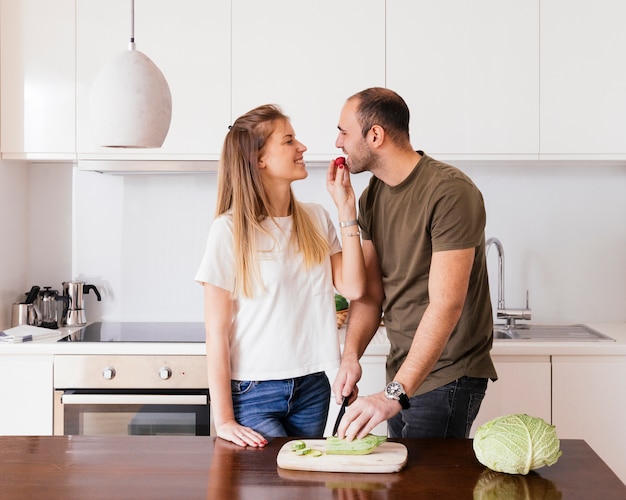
(131, 103)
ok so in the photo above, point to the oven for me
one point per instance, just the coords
(130, 394)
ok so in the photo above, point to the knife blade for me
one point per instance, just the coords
(342, 410)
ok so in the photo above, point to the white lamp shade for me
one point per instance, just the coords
(131, 103)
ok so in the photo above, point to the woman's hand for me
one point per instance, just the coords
(340, 189)
(238, 434)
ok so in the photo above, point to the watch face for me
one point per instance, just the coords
(394, 389)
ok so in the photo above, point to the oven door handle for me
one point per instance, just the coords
(143, 399)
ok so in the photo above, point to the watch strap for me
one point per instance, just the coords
(404, 401)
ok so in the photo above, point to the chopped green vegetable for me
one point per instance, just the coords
(298, 445)
(516, 444)
(303, 451)
(364, 446)
(340, 302)
(315, 453)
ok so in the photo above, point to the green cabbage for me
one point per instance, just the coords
(516, 444)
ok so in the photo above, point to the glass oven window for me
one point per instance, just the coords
(90, 419)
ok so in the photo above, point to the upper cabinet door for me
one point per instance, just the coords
(189, 41)
(37, 79)
(469, 72)
(308, 57)
(583, 79)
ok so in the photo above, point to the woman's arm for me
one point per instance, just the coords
(348, 265)
(218, 318)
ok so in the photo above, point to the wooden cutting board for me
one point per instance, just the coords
(387, 457)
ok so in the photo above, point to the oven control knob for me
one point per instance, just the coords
(108, 373)
(164, 373)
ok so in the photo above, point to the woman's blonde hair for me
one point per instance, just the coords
(241, 191)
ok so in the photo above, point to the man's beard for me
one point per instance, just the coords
(364, 160)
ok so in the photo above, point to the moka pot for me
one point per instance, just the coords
(75, 291)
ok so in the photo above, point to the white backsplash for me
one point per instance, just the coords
(140, 238)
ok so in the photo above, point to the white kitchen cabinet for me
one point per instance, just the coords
(523, 386)
(588, 403)
(26, 393)
(583, 102)
(308, 57)
(189, 40)
(37, 79)
(469, 72)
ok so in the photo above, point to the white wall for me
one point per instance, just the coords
(139, 238)
(564, 234)
(35, 230)
(13, 236)
(50, 225)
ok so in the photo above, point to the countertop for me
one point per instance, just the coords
(378, 347)
(208, 467)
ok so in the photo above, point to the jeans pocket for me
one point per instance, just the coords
(240, 387)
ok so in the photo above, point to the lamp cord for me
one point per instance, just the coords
(132, 21)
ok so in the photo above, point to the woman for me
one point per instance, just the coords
(268, 273)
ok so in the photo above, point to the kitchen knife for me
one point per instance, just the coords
(342, 410)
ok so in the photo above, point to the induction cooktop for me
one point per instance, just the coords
(105, 331)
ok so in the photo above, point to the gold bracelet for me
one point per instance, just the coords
(347, 223)
(351, 234)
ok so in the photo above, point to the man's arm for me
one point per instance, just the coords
(447, 287)
(447, 290)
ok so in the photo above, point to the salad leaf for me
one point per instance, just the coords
(516, 444)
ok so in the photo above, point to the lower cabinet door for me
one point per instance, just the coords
(588, 403)
(523, 386)
(26, 394)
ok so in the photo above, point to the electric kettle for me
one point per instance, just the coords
(47, 304)
(74, 291)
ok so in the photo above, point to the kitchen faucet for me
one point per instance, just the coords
(510, 315)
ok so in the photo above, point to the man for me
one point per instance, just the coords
(422, 224)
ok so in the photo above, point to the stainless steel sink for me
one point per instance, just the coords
(549, 333)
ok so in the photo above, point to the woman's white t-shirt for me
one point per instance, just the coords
(289, 328)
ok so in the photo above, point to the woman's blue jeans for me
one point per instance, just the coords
(446, 412)
(295, 407)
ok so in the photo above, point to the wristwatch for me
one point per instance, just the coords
(394, 390)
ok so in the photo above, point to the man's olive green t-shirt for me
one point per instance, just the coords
(436, 208)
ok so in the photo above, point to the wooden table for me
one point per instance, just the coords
(76, 467)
